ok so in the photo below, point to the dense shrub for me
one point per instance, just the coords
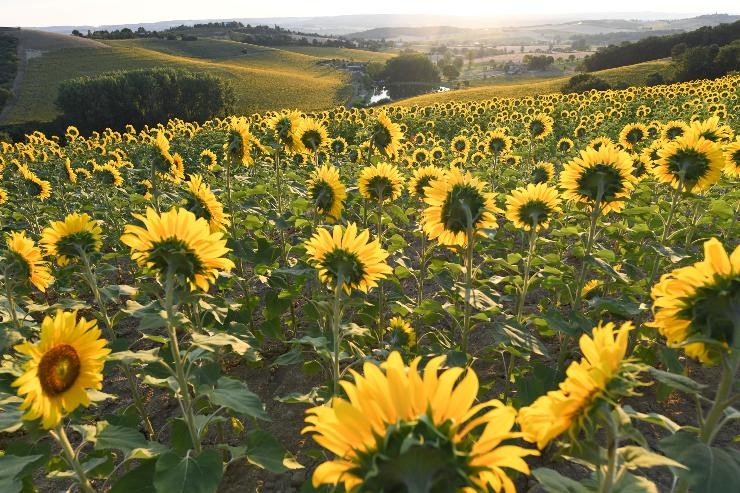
(143, 97)
(585, 82)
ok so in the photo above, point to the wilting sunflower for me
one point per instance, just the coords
(286, 127)
(66, 361)
(422, 177)
(238, 146)
(532, 206)
(327, 192)
(455, 202)
(540, 126)
(602, 374)
(543, 172)
(602, 176)
(24, 260)
(690, 160)
(312, 135)
(203, 203)
(386, 136)
(732, 159)
(633, 135)
(698, 303)
(179, 243)
(380, 181)
(460, 145)
(400, 332)
(399, 426)
(349, 254)
(65, 239)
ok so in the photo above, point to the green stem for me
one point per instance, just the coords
(183, 396)
(381, 291)
(336, 333)
(612, 437)
(69, 454)
(589, 246)
(468, 287)
(422, 271)
(527, 267)
(709, 429)
(11, 299)
(667, 228)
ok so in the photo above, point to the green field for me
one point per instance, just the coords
(505, 88)
(340, 53)
(264, 78)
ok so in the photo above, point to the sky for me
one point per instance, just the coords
(99, 12)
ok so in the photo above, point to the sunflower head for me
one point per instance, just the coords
(401, 429)
(732, 158)
(286, 127)
(203, 203)
(67, 239)
(633, 135)
(422, 177)
(673, 129)
(457, 203)
(695, 307)
(498, 143)
(386, 136)
(238, 146)
(690, 161)
(533, 206)
(604, 374)
(540, 126)
(312, 135)
(543, 172)
(177, 243)
(348, 256)
(24, 261)
(564, 145)
(460, 145)
(66, 362)
(400, 332)
(380, 182)
(599, 178)
(327, 192)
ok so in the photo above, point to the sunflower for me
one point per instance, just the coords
(66, 239)
(564, 145)
(209, 159)
(543, 172)
(350, 255)
(732, 159)
(179, 243)
(238, 146)
(711, 129)
(203, 203)
(460, 145)
(312, 135)
(380, 181)
(286, 127)
(338, 146)
(673, 129)
(498, 143)
(540, 126)
(41, 189)
(600, 178)
(386, 136)
(24, 260)
(691, 161)
(108, 174)
(327, 192)
(603, 374)
(455, 202)
(399, 425)
(532, 206)
(422, 177)
(3, 196)
(66, 361)
(401, 333)
(697, 304)
(632, 135)
(162, 148)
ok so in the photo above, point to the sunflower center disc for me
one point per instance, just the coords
(461, 201)
(59, 369)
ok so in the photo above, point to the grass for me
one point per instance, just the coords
(263, 78)
(350, 54)
(631, 75)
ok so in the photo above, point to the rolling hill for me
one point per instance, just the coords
(631, 75)
(264, 78)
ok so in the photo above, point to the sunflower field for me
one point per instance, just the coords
(519, 294)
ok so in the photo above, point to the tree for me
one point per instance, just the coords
(471, 58)
(697, 63)
(538, 62)
(585, 82)
(450, 72)
(409, 74)
(579, 44)
(654, 79)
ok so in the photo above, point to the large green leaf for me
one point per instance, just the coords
(128, 440)
(634, 456)
(554, 482)
(139, 480)
(13, 468)
(236, 396)
(678, 382)
(710, 469)
(264, 451)
(189, 474)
